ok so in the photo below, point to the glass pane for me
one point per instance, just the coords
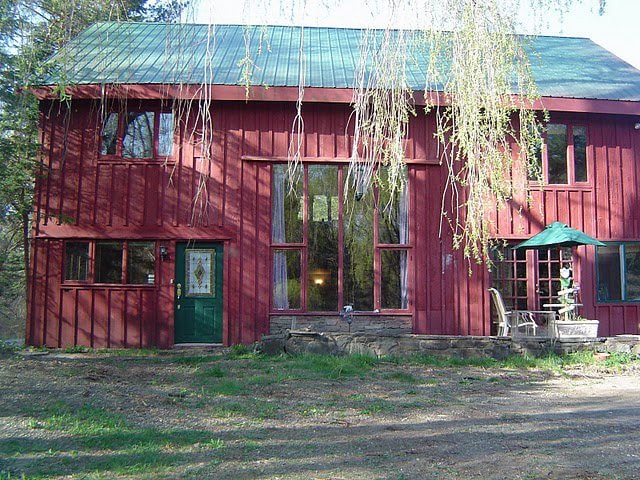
(521, 270)
(109, 134)
(108, 262)
(632, 271)
(393, 211)
(543, 291)
(286, 207)
(322, 281)
(76, 261)
(608, 273)
(543, 270)
(394, 293)
(141, 262)
(580, 153)
(165, 135)
(286, 279)
(557, 153)
(534, 172)
(358, 251)
(138, 135)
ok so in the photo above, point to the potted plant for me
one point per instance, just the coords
(577, 327)
(571, 325)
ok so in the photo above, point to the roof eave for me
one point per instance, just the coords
(311, 94)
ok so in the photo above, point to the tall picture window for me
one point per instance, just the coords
(333, 245)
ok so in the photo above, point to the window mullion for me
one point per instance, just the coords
(125, 262)
(120, 132)
(340, 238)
(156, 133)
(305, 239)
(570, 157)
(623, 273)
(376, 251)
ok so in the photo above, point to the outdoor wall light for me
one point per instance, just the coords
(164, 252)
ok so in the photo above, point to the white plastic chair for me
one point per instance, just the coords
(511, 322)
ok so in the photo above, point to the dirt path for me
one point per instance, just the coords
(208, 416)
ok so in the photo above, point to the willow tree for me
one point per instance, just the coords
(478, 83)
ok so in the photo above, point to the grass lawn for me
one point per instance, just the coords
(232, 414)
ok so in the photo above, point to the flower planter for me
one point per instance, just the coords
(576, 328)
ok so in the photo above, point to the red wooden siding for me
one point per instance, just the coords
(86, 197)
(605, 207)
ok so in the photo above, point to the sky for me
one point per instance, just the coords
(617, 29)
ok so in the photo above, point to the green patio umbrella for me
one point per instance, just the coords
(557, 234)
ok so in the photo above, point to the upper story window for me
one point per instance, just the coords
(139, 134)
(563, 157)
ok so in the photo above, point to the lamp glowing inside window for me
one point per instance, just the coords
(320, 276)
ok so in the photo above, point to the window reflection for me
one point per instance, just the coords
(394, 293)
(393, 211)
(286, 207)
(138, 135)
(286, 279)
(632, 271)
(165, 134)
(557, 153)
(580, 153)
(108, 262)
(76, 261)
(358, 252)
(141, 262)
(322, 283)
(109, 135)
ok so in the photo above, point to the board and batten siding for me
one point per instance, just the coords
(81, 196)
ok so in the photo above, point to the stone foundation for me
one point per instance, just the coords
(452, 346)
(389, 324)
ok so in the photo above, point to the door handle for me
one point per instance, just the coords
(178, 294)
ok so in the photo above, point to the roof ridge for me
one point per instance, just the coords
(320, 27)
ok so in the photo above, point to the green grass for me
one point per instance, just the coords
(402, 377)
(330, 367)
(83, 438)
(97, 440)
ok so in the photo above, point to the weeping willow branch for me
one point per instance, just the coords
(485, 64)
(382, 107)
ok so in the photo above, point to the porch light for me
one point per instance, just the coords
(320, 276)
(164, 252)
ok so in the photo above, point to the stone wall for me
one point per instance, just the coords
(389, 324)
(452, 346)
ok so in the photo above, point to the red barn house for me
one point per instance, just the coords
(144, 237)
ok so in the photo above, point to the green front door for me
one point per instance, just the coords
(198, 293)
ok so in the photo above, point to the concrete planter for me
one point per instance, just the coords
(576, 328)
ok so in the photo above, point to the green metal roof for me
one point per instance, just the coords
(158, 53)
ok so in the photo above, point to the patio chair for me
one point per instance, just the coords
(513, 322)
